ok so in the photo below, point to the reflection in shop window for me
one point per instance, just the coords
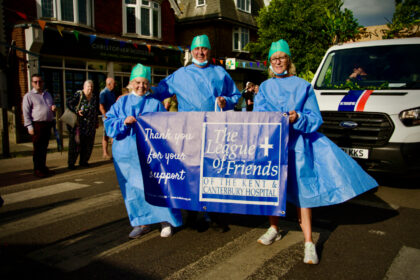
(73, 63)
(100, 66)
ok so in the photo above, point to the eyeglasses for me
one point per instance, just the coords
(37, 82)
(277, 59)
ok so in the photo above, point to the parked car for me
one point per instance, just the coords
(369, 97)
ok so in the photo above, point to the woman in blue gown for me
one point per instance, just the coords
(319, 172)
(119, 125)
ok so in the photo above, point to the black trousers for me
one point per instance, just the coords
(40, 140)
(83, 148)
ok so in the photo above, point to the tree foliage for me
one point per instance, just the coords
(405, 21)
(309, 26)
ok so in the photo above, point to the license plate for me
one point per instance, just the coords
(357, 153)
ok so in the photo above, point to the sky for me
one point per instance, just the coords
(371, 12)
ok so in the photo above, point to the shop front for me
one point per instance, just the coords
(65, 61)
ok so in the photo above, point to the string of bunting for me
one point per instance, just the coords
(93, 37)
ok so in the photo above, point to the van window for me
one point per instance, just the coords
(379, 67)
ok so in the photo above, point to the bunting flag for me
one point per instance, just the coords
(258, 64)
(76, 34)
(135, 45)
(181, 49)
(60, 29)
(92, 38)
(22, 15)
(243, 64)
(42, 23)
(150, 47)
(221, 61)
(250, 64)
(214, 61)
(122, 44)
(106, 42)
(265, 62)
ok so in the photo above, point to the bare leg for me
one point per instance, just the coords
(274, 221)
(305, 222)
(105, 146)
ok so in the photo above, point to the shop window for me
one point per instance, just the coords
(74, 63)
(75, 11)
(201, 3)
(99, 66)
(240, 38)
(123, 67)
(51, 61)
(243, 5)
(141, 17)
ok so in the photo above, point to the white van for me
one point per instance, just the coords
(377, 122)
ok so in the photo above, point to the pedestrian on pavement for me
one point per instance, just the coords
(198, 87)
(82, 135)
(119, 125)
(106, 99)
(247, 94)
(38, 112)
(319, 172)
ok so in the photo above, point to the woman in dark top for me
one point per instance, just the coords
(82, 136)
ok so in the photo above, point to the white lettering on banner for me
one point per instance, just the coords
(168, 176)
(228, 151)
(240, 187)
(167, 135)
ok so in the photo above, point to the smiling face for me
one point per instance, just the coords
(140, 85)
(280, 62)
(201, 54)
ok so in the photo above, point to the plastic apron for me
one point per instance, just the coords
(127, 165)
(319, 172)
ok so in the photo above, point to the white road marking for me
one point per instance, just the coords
(74, 209)
(406, 265)
(41, 192)
(78, 252)
(241, 257)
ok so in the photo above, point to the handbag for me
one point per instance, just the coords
(69, 117)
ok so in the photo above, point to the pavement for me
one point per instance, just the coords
(18, 168)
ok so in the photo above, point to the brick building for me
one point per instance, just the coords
(230, 25)
(71, 41)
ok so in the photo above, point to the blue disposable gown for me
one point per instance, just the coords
(196, 88)
(319, 172)
(127, 164)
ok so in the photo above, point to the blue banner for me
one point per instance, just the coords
(230, 162)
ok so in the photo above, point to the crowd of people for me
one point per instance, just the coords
(313, 158)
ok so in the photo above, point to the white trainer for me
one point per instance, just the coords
(166, 230)
(269, 237)
(310, 254)
(139, 231)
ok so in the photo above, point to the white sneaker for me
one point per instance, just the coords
(166, 230)
(269, 237)
(310, 253)
(139, 231)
